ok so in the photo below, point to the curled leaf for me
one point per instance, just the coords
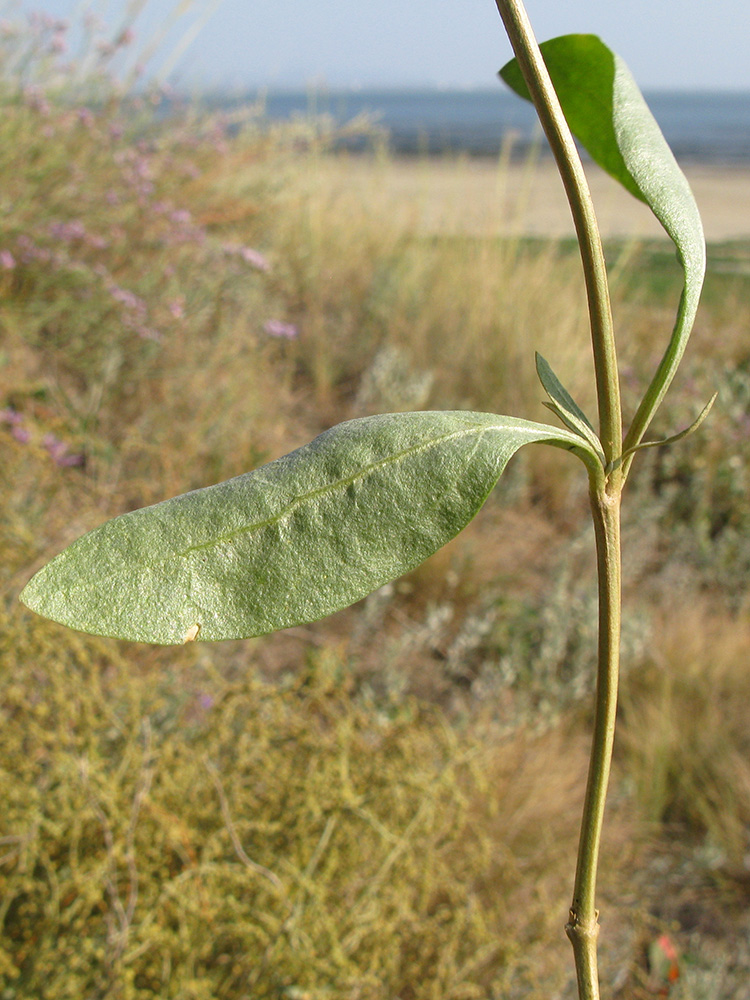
(608, 115)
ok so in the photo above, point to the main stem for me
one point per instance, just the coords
(583, 924)
(605, 490)
(569, 164)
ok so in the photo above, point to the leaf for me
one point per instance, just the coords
(566, 408)
(607, 113)
(674, 438)
(292, 541)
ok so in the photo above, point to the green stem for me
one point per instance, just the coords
(583, 925)
(605, 491)
(563, 146)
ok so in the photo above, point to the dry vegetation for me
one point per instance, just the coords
(384, 804)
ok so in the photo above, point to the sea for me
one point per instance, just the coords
(707, 127)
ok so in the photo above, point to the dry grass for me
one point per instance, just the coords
(685, 741)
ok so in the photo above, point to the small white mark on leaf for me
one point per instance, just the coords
(192, 634)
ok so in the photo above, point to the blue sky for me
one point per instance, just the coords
(675, 44)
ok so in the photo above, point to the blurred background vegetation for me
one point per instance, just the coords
(384, 804)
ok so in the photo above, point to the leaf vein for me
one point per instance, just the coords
(339, 484)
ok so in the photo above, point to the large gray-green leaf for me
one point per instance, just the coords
(291, 541)
(607, 113)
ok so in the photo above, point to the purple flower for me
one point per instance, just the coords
(58, 450)
(252, 257)
(127, 298)
(30, 252)
(275, 328)
(142, 168)
(7, 260)
(69, 231)
(21, 434)
(10, 416)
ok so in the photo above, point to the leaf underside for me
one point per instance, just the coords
(608, 115)
(292, 541)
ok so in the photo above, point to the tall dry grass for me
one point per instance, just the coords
(685, 736)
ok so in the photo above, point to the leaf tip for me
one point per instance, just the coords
(28, 596)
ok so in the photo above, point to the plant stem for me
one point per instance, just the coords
(563, 146)
(583, 925)
(605, 491)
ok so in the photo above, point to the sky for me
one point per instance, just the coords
(668, 44)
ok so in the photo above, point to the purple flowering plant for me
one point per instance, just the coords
(112, 260)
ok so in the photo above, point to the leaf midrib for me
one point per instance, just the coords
(339, 484)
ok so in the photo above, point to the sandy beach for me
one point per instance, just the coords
(480, 197)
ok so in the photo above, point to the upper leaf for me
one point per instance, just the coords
(291, 541)
(608, 115)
